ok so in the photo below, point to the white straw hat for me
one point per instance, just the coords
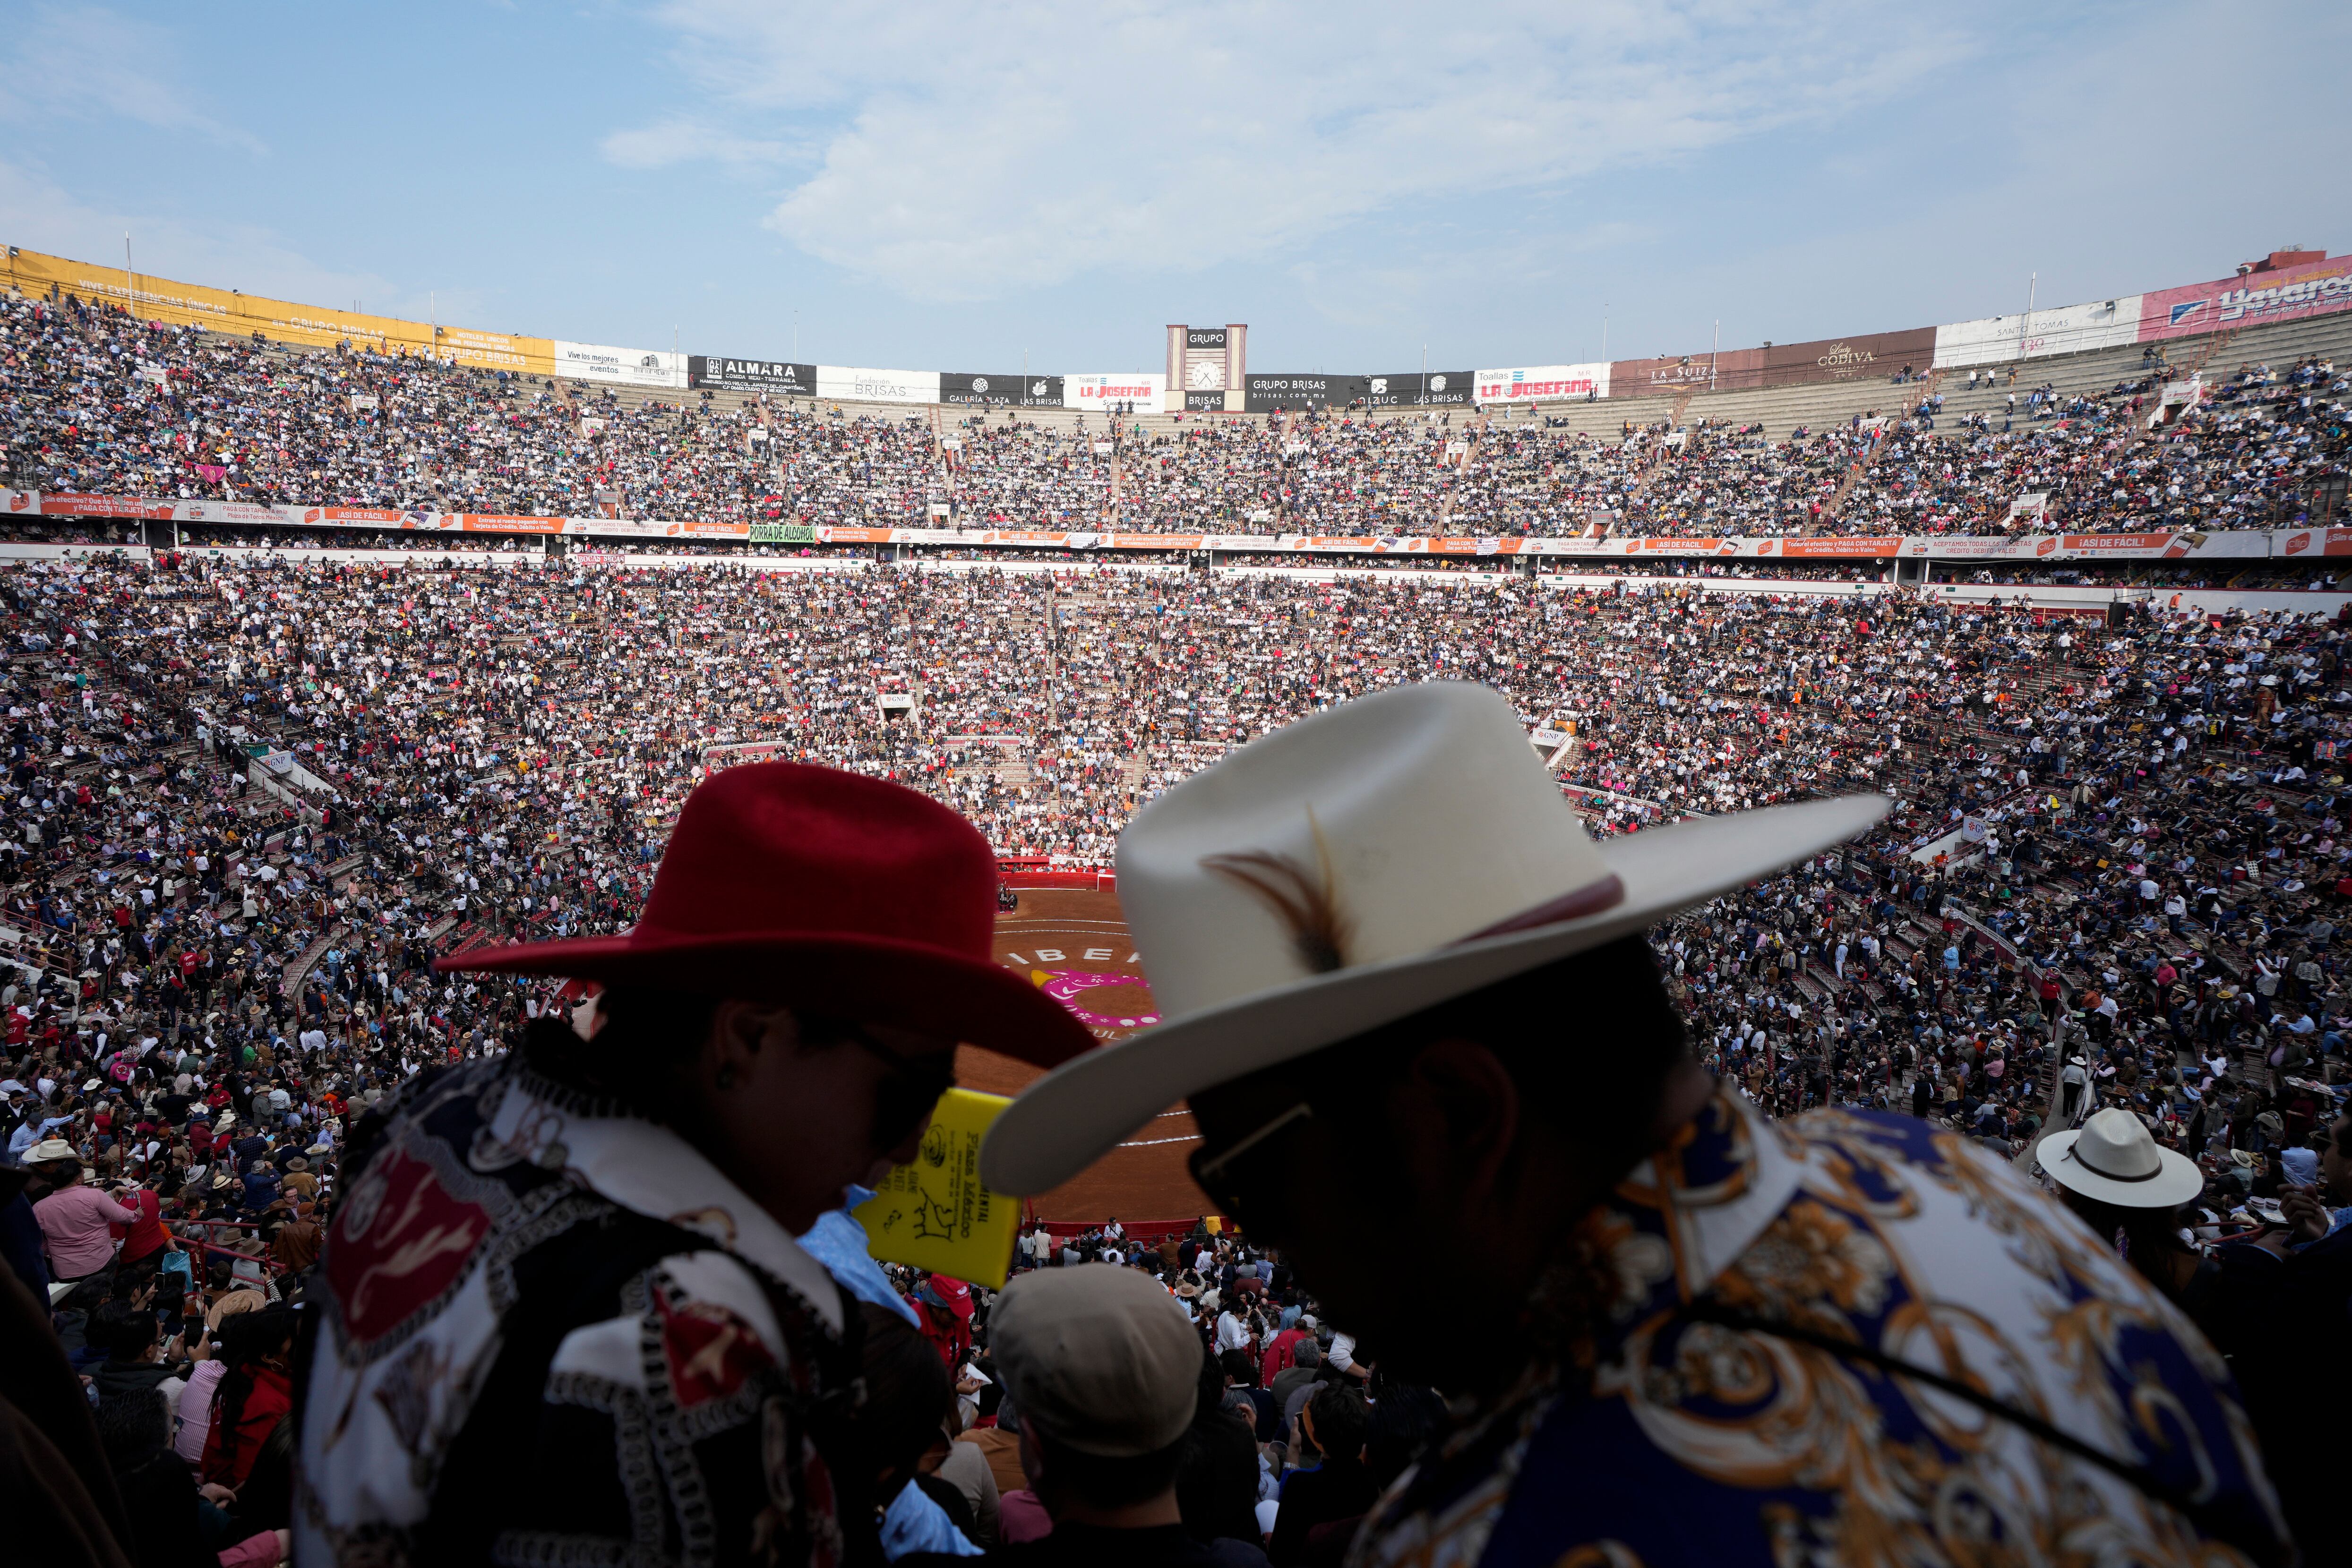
(2115, 1159)
(1362, 864)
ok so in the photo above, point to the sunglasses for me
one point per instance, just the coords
(910, 1087)
(1225, 1177)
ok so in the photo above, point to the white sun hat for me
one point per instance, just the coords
(1362, 864)
(2115, 1159)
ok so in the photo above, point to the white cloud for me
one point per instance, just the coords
(670, 142)
(88, 62)
(971, 149)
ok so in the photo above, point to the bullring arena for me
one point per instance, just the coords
(1072, 941)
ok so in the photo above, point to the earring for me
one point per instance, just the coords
(726, 1077)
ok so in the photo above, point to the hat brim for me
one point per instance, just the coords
(2177, 1179)
(873, 980)
(1079, 1112)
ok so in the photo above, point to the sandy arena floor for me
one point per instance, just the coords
(1077, 942)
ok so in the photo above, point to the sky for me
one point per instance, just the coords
(993, 187)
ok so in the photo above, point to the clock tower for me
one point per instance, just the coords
(1206, 366)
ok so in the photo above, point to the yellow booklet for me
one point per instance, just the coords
(934, 1214)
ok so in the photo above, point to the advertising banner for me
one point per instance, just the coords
(782, 534)
(1204, 336)
(1871, 355)
(1542, 384)
(238, 512)
(2054, 547)
(2132, 547)
(2317, 542)
(1004, 391)
(152, 298)
(1683, 547)
(1815, 549)
(1419, 389)
(2315, 288)
(2067, 329)
(856, 385)
(477, 523)
(48, 504)
(1728, 370)
(1266, 394)
(1204, 401)
(381, 517)
(777, 378)
(619, 527)
(1149, 393)
(605, 364)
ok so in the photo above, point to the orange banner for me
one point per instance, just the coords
(2116, 542)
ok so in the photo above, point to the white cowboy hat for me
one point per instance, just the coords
(2114, 1158)
(1429, 852)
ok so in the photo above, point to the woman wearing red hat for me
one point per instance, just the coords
(564, 1314)
(945, 1306)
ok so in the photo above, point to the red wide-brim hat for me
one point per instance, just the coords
(828, 891)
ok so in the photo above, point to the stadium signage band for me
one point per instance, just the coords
(2286, 293)
(1272, 393)
(1543, 384)
(1149, 393)
(1419, 389)
(2180, 546)
(780, 376)
(1000, 391)
(2065, 330)
(602, 363)
(851, 384)
(1731, 370)
(1855, 358)
(2289, 294)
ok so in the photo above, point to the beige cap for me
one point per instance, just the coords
(1098, 1358)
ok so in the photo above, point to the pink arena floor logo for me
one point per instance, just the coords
(1067, 986)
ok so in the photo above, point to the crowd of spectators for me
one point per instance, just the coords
(94, 401)
(252, 799)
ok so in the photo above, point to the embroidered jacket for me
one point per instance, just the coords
(552, 1333)
(1699, 1442)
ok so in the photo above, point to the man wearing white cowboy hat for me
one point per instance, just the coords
(2115, 1176)
(1406, 993)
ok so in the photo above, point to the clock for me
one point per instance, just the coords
(1205, 375)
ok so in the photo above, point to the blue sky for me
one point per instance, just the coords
(943, 186)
